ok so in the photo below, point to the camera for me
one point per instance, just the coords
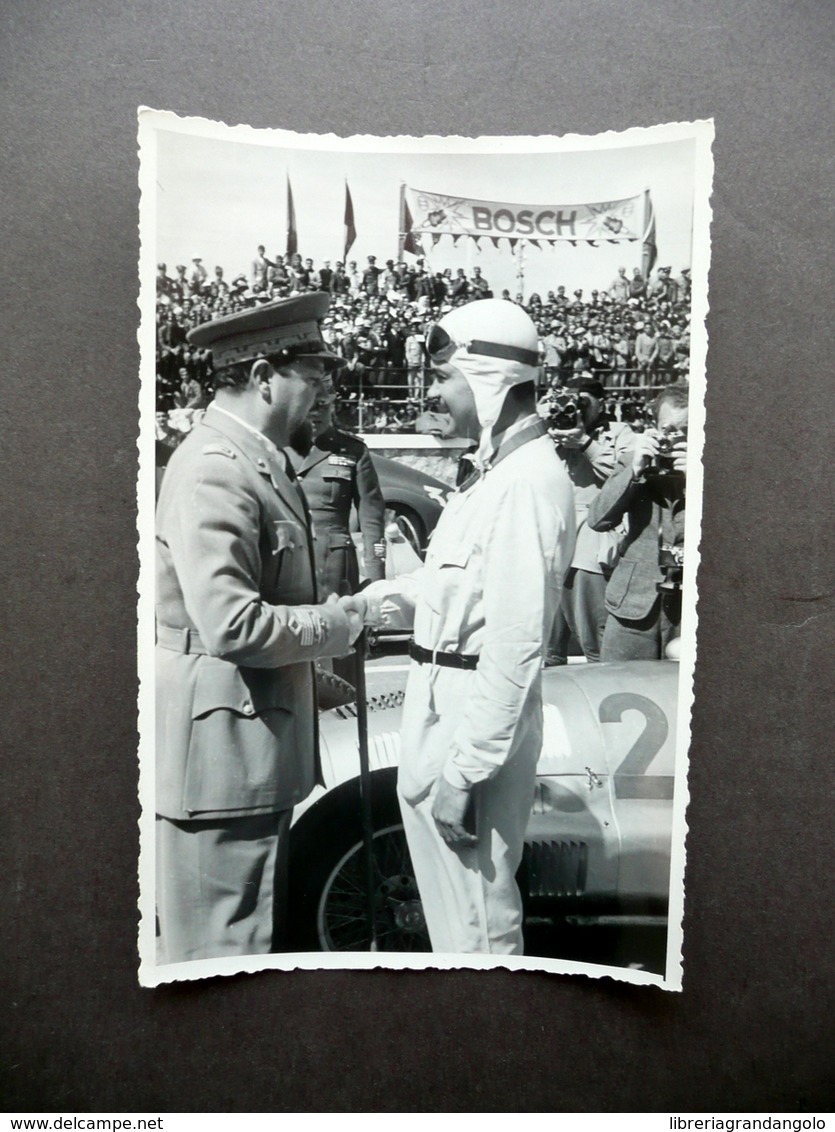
(668, 438)
(564, 411)
(671, 564)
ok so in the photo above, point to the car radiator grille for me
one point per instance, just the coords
(556, 868)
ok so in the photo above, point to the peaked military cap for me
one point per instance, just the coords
(285, 330)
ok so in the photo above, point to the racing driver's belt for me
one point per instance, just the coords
(444, 659)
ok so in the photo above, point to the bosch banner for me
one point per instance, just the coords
(437, 214)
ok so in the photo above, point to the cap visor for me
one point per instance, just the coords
(331, 361)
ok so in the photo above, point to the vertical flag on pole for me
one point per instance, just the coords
(649, 252)
(292, 235)
(350, 230)
(408, 241)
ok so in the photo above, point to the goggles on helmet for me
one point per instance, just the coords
(439, 348)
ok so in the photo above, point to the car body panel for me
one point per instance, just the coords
(408, 488)
(601, 822)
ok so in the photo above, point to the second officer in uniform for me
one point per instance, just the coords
(336, 474)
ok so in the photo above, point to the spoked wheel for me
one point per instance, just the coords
(328, 902)
(399, 924)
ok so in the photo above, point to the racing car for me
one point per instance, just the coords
(598, 840)
(415, 498)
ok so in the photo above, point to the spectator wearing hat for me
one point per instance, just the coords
(199, 275)
(554, 346)
(637, 285)
(339, 281)
(421, 285)
(295, 270)
(371, 278)
(646, 351)
(278, 278)
(238, 624)
(354, 277)
(163, 282)
(659, 288)
(673, 288)
(439, 289)
(665, 355)
(301, 273)
(179, 284)
(390, 278)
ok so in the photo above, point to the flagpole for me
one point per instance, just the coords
(401, 235)
(520, 270)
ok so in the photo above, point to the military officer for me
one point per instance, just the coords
(484, 605)
(238, 626)
(336, 474)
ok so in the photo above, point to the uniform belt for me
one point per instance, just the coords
(444, 659)
(181, 640)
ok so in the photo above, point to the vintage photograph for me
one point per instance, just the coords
(421, 429)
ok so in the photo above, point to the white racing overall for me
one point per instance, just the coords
(490, 588)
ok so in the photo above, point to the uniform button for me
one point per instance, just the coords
(247, 708)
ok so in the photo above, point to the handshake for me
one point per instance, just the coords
(362, 611)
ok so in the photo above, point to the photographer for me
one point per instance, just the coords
(643, 597)
(588, 451)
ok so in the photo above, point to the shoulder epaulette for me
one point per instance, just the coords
(218, 448)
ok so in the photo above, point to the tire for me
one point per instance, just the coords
(328, 903)
(411, 527)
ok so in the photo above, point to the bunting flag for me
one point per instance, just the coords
(442, 215)
(292, 234)
(649, 252)
(350, 230)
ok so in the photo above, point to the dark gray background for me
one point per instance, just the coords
(753, 1027)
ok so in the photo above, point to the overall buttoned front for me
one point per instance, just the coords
(490, 588)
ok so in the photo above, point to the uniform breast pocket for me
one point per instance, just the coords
(339, 481)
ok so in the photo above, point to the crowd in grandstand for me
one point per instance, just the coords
(634, 336)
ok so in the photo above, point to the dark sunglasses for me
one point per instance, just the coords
(439, 348)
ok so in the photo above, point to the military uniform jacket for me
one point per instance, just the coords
(236, 629)
(337, 474)
(654, 511)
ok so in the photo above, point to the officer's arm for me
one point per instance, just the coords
(368, 499)
(213, 530)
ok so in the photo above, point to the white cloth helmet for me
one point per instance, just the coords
(494, 344)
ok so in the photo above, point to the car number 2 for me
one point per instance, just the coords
(631, 779)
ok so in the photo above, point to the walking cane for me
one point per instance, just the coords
(365, 787)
